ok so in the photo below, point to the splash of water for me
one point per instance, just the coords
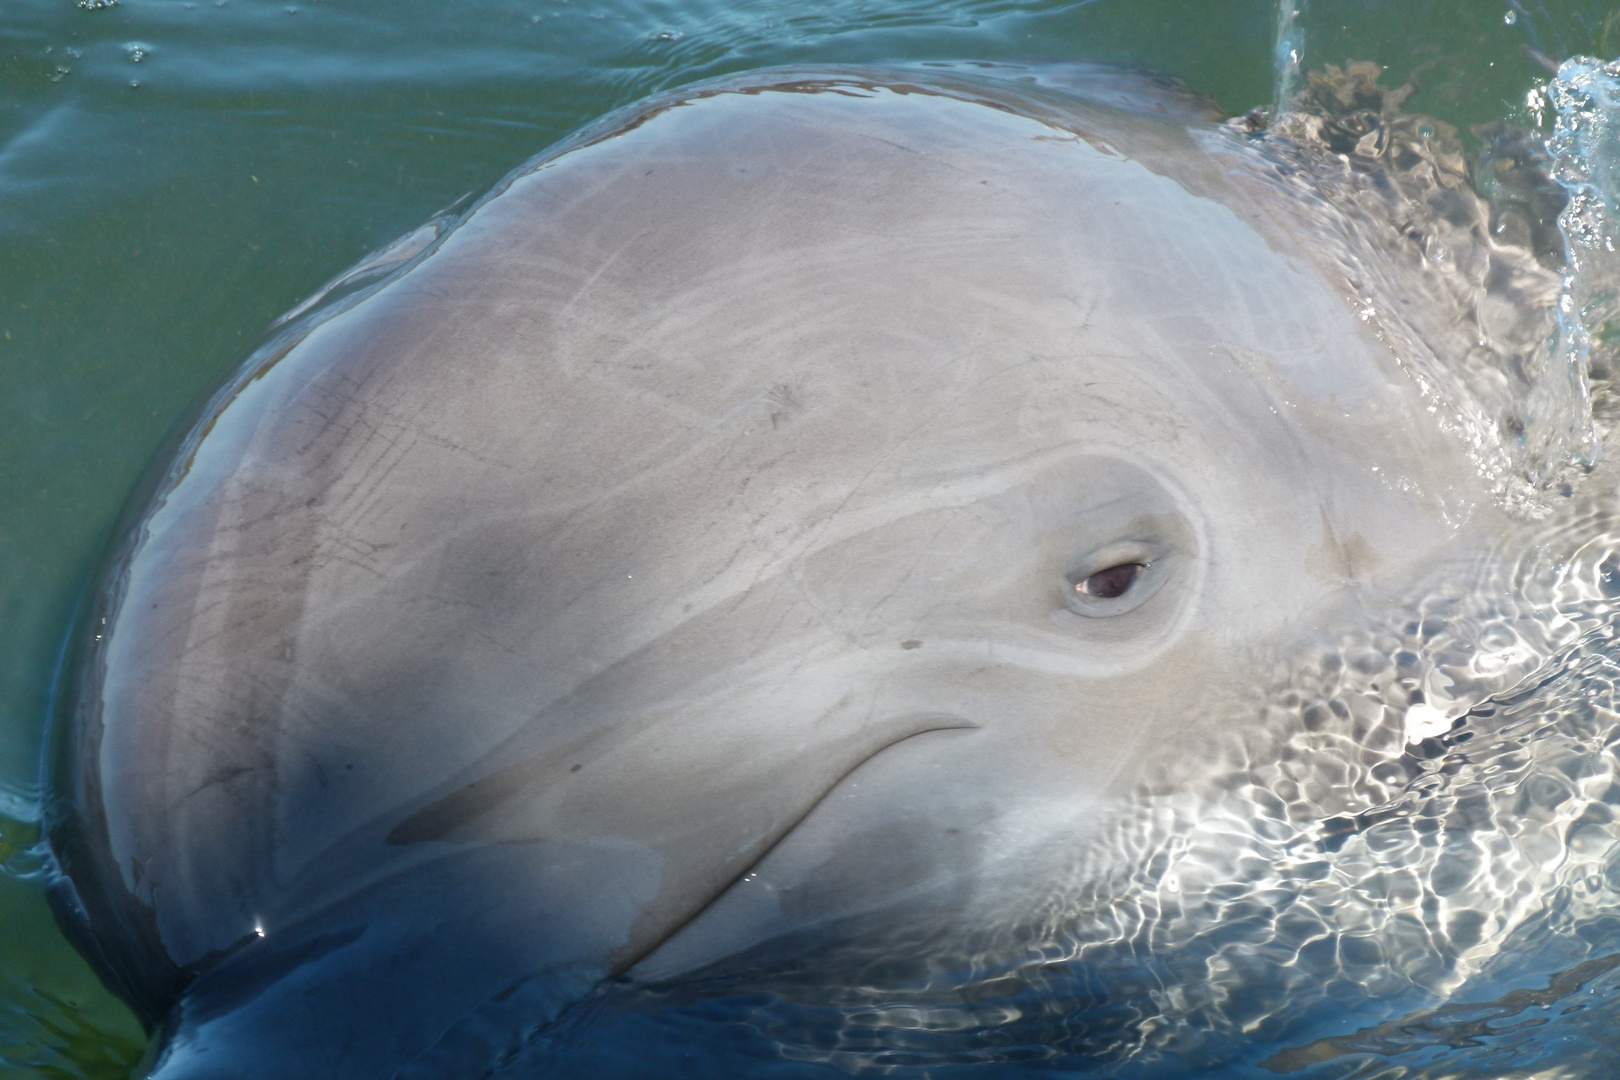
(1585, 147)
(1287, 53)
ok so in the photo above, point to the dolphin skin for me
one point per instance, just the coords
(798, 513)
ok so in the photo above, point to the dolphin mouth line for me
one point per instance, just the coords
(946, 723)
(580, 1010)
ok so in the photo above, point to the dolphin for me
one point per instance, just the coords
(803, 510)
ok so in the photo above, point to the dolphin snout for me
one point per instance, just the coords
(687, 805)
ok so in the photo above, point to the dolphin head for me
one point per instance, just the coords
(802, 499)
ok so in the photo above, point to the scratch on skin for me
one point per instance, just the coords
(222, 777)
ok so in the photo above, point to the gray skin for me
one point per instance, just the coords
(683, 551)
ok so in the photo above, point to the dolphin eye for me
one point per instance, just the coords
(1110, 583)
(1117, 578)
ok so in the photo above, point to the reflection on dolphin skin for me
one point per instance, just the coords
(861, 525)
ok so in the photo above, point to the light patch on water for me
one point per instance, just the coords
(1424, 721)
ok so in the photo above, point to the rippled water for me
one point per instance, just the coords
(174, 175)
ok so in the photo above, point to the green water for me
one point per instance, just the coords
(174, 174)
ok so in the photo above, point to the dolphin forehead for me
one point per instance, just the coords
(728, 323)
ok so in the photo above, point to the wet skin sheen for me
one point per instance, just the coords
(800, 497)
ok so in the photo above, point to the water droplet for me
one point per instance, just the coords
(1511, 17)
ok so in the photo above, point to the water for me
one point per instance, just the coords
(174, 175)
